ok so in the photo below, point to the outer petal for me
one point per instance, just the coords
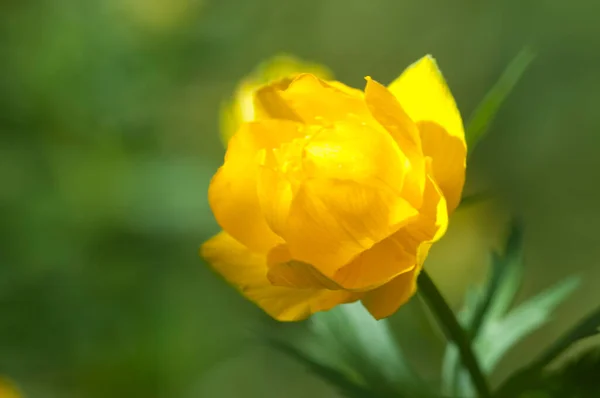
(232, 192)
(332, 221)
(418, 237)
(247, 271)
(448, 155)
(243, 108)
(424, 95)
(387, 111)
(378, 265)
(311, 100)
(286, 271)
(385, 300)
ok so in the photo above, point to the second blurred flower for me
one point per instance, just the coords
(243, 107)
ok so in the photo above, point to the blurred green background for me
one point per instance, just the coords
(109, 136)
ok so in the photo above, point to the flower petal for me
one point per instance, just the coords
(385, 300)
(400, 252)
(432, 222)
(232, 193)
(332, 221)
(269, 104)
(275, 195)
(387, 111)
(312, 100)
(417, 237)
(247, 271)
(277, 70)
(285, 271)
(424, 95)
(352, 149)
(378, 265)
(448, 156)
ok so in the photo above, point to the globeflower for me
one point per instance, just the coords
(334, 194)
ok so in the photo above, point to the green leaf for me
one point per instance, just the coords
(493, 328)
(484, 304)
(475, 198)
(588, 327)
(577, 378)
(499, 335)
(484, 114)
(333, 376)
(451, 364)
(366, 346)
(347, 347)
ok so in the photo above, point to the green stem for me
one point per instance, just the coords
(454, 332)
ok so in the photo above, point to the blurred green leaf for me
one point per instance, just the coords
(486, 111)
(485, 304)
(499, 335)
(333, 376)
(472, 199)
(588, 327)
(366, 346)
(349, 341)
(486, 316)
(577, 378)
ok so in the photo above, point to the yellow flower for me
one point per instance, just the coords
(243, 107)
(336, 195)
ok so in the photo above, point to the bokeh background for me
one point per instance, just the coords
(109, 135)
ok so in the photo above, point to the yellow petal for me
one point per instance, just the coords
(243, 107)
(432, 222)
(417, 238)
(285, 271)
(270, 104)
(247, 271)
(387, 111)
(378, 265)
(400, 252)
(233, 190)
(424, 95)
(448, 154)
(313, 100)
(385, 300)
(352, 149)
(331, 221)
(275, 195)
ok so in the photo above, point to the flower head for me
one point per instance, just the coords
(334, 194)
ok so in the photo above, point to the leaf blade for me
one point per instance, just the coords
(500, 336)
(486, 111)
